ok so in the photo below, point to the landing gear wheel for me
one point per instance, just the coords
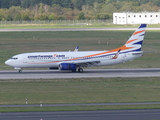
(80, 70)
(20, 71)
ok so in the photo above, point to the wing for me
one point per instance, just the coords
(88, 63)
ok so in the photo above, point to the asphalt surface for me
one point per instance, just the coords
(70, 29)
(151, 114)
(80, 104)
(88, 73)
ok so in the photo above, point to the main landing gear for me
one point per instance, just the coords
(20, 71)
(80, 70)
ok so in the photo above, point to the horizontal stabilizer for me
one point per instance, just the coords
(137, 53)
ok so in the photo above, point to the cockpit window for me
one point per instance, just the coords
(14, 58)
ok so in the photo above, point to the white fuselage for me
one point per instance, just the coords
(53, 59)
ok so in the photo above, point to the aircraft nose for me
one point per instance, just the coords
(7, 62)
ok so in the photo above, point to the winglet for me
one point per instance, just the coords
(117, 54)
(76, 49)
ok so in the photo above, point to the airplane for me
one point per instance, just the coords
(76, 61)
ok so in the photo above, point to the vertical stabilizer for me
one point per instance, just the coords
(136, 40)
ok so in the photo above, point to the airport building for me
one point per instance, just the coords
(136, 18)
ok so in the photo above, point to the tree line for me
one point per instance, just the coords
(71, 9)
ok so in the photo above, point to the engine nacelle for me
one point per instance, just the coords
(68, 66)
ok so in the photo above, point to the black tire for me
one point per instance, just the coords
(20, 71)
(80, 70)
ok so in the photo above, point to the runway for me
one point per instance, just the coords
(88, 73)
(70, 29)
(151, 114)
(80, 104)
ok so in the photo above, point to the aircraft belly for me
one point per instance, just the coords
(37, 65)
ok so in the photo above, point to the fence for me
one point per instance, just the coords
(58, 22)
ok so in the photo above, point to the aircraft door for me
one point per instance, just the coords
(25, 59)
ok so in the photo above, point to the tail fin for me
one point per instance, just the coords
(136, 40)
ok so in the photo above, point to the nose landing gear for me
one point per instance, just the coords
(19, 69)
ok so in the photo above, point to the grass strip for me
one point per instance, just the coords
(96, 25)
(80, 90)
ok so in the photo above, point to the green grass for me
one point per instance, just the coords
(84, 90)
(12, 43)
(64, 25)
(80, 90)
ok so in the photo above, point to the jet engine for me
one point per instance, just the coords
(67, 66)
